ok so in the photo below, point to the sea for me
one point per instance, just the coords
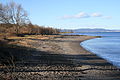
(107, 47)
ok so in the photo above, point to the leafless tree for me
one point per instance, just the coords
(13, 13)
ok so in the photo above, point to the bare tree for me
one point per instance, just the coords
(13, 13)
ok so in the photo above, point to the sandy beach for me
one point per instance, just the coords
(58, 57)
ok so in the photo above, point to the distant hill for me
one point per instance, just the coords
(89, 30)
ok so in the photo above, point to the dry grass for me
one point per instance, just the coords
(34, 37)
(24, 41)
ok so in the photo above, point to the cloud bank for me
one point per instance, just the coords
(84, 15)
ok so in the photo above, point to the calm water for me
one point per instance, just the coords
(107, 47)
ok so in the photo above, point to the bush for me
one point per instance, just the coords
(29, 29)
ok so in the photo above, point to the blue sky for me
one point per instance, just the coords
(73, 14)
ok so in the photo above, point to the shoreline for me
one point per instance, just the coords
(98, 55)
(92, 63)
(61, 57)
(82, 50)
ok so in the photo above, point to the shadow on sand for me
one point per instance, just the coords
(23, 56)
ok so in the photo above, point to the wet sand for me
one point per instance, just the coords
(61, 58)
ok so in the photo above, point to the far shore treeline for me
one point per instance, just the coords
(14, 20)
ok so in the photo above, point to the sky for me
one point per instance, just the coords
(72, 14)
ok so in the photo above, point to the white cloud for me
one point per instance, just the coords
(85, 15)
(96, 15)
(81, 15)
(67, 17)
(107, 17)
